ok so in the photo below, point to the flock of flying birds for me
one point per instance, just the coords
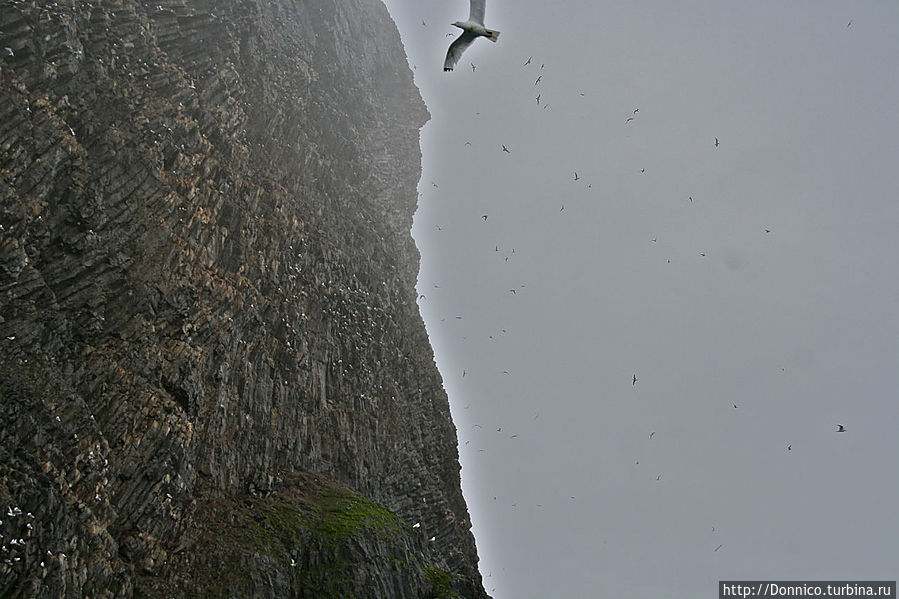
(473, 28)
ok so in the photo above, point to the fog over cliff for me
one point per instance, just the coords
(214, 376)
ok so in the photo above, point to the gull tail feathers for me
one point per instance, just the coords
(492, 35)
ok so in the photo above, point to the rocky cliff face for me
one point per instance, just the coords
(214, 377)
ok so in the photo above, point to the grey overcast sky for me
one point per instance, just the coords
(752, 288)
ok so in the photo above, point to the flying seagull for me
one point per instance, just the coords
(635, 380)
(840, 428)
(471, 29)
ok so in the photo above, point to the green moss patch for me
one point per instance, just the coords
(304, 531)
(342, 514)
(441, 580)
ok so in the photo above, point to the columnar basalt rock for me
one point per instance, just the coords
(214, 376)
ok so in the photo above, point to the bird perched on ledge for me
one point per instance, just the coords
(471, 29)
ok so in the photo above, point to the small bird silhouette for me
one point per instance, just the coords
(528, 61)
(539, 78)
(629, 119)
(484, 216)
(651, 434)
(716, 142)
(505, 149)
(789, 448)
(635, 380)
(575, 176)
(841, 428)
(718, 547)
(473, 67)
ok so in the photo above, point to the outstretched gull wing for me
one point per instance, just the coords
(457, 48)
(477, 11)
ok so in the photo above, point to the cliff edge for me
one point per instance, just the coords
(214, 378)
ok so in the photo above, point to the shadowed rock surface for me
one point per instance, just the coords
(215, 381)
